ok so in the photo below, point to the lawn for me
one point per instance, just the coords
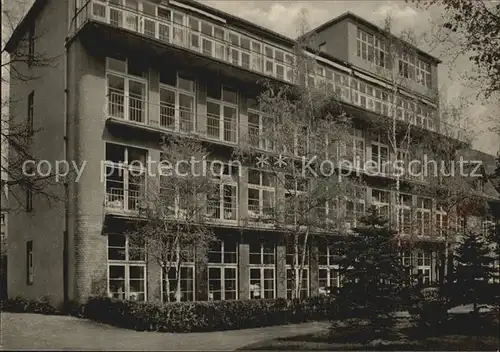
(459, 335)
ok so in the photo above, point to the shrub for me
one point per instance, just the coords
(22, 305)
(431, 309)
(206, 315)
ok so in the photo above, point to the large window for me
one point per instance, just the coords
(354, 205)
(371, 48)
(424, 220)
(328, 273)
(424, 73)
(404, 207)
(260, 127)
(441, 222)
(261, 195)
(380, 155)
(125, 177)
(222, 270)
(126, 90)
(29, 263)
(222, 202)
(177, 101)
(222, 113)
(424, 266)
(381, 199)
(126, 269)
(262, 270)
(407, 66)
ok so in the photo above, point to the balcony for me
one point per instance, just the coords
(172, 27)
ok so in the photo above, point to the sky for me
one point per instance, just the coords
(281, 17)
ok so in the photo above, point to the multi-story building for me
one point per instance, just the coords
(127, 72)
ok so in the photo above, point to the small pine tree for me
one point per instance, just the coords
(473, 271)
(374, 279)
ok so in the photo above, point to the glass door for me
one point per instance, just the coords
(234, 52)
(186, 112)
(137, 101)
(229, 124)
(213, 119)
(115, 14)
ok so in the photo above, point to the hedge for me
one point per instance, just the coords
(23, 305)
(206, 315)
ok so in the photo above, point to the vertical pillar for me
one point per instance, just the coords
(201, 273)
(243, 196)
(153, 99)
(281, 270)
(314, 270)
(201, 108)
(243, 270)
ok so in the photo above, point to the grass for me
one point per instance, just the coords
(460, 334)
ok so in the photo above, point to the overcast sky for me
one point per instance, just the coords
(281, 16)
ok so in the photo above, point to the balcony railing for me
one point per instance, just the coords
(224, 45)
(217, 43)
(122, 200)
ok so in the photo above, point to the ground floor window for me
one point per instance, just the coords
(127, 281)
(262, 283)
(328, 279)
(424, 266)
(222, 283)
(126, 269)
(178, 286)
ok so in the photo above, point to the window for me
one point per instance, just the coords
(407, 66)
(29, 263)
(223, 201)
(441, 222)
(126, 90)
(178, 285)
(30, 115)
(222, 113)
(31, 44)
(424, 266)
(261, 195)
(222, 270)
(404, 206)
(381, 199)
(371, 48)
(177, 101)
(424, 73)
(380, 156)
(355, 151)
(354, 205)
(262, 271)
(424, 207)
(328, 273)
(260, 127)
(125, 181)
(126, 269)
(294, 268)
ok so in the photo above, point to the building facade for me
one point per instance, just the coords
(128, 72)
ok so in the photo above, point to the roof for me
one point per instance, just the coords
(239, 21)
(356, 18)
(23, 24)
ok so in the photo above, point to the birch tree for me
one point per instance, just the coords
(299, 147)
(172, 223)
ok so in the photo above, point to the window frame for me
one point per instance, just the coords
(262, 267)
(222, 266)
